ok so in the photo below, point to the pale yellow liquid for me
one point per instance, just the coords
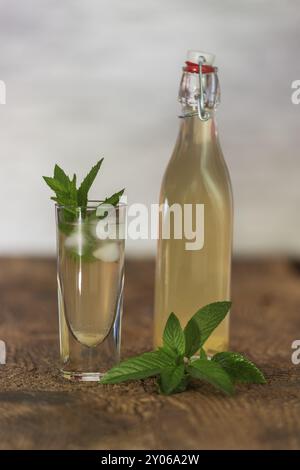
(88, 295)
(187, 280)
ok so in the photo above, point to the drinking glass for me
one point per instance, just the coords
(90, 277)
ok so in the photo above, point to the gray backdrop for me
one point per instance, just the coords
(100, 78)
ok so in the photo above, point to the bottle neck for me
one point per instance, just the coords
(199, 93)
(195, 131)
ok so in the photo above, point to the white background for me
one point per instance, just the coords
(100, 78)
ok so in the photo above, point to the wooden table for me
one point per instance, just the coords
(38, 410)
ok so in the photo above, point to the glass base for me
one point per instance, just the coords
(81, 376)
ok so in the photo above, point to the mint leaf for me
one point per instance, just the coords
(139, 367)
(102, 210)
(73, 190)
(173, 336)
(209, 317)
(61, 176)
(55, 185)
(67, 193)
(82, 194)
(182, 386)
(170, 378)
(67, 200)
(64, 188)
(192, 336)
(212, 373)
(115, 198)
(169, 354)
(203, 354)
(239, 368)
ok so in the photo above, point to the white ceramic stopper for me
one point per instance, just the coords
(193, 56)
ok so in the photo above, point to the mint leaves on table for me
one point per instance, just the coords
(174, 364)
(68, 195)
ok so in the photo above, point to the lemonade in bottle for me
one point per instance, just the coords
(197, 175)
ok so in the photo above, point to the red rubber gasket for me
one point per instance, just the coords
(194, 68)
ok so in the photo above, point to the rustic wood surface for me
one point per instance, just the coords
(39, 410)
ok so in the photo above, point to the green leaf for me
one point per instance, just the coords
(170, 378)
(61, 176)
(203, 354)
(82, 194)
(192, 338)
(55, 185)
(68, 202)
(102, 210)
(212, 373)
(114, 199)
(209, 317)
(64, 188)
(169, 354)
(239, 368)
(139, 367)
(173, 336)
(182, 386)
(73, 190)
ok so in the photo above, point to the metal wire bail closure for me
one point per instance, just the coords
(202, 113)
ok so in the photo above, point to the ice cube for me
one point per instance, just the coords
(108, 252)
(76, 241)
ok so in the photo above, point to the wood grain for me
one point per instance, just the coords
(38, 410)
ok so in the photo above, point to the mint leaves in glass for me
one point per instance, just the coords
(90, 275)
(182, 357)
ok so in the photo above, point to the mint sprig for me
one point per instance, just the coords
(75, 201)
(175, 365)
(67, 194)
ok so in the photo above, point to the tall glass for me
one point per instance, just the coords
(90, 276)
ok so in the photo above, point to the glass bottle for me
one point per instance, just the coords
(187, 279)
